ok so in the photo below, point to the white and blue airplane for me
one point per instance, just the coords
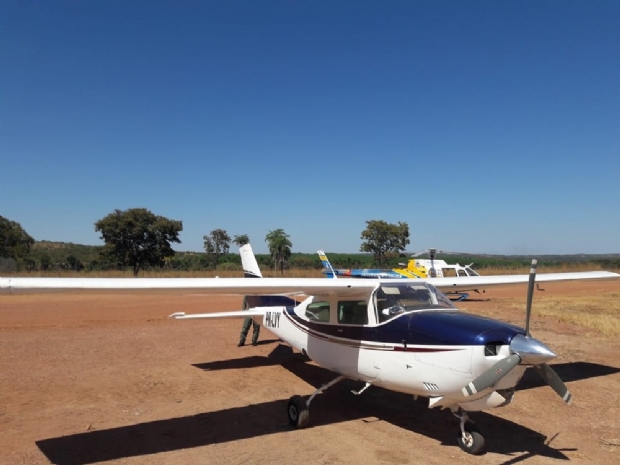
(403, 335)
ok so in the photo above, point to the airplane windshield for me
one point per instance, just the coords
(394, 299)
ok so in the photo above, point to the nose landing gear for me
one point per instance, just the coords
(470, 439)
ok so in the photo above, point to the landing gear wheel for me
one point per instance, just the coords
(298, 413)
(471, 441)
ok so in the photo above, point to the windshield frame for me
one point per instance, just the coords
(394, 299)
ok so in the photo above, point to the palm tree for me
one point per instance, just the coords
(241, 240)
(279, 248)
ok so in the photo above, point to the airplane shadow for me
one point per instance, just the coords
(278, 356)
(267, 341)
(336, 405)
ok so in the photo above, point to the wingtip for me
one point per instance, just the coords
(177, 315)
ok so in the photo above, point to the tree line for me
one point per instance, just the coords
(138, 239)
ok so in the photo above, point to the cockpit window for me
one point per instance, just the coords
(353, 312)
(394, 299)
(318, 311)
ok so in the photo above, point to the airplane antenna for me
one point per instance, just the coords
(530, 294)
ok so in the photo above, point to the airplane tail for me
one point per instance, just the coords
(250, 302)
(328, 269)
(249, 263)
(251, 270)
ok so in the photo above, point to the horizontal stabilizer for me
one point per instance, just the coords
(221, 315)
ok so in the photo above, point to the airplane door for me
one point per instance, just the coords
(368, 365)
(345, 345)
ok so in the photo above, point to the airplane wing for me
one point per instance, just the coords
(269, 286)
(229, 286)
(477, 282)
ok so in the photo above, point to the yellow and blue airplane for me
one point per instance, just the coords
(416, 268)
(413, 270)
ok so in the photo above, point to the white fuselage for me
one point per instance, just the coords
(438, 372)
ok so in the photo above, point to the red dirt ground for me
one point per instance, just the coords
(108, 378)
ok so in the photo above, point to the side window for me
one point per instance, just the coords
(353, 312)
(449, 273)
(462, 273)
(383, 302)
(318, 311)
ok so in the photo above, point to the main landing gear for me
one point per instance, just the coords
(470, 439)
(298, 407)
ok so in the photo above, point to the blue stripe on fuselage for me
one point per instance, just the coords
(443, 328)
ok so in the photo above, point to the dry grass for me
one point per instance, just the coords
(563, 268)
(599, 311)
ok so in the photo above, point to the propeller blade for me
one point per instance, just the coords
(492, 375)
(530, 294)
(549, 376)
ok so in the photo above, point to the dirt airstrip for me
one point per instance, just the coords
(88, 378)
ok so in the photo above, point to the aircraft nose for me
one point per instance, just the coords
(531, 351)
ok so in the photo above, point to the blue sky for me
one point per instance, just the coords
(489, 127)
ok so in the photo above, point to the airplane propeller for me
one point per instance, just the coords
(492, 375)
(524, 350)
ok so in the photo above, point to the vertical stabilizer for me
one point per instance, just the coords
(249, 263)
(329, 270)
(251, 270)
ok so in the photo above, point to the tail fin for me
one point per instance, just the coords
(251, 270)
(328, 266)
(249, 263)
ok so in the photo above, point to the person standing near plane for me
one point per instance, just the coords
(247, 322)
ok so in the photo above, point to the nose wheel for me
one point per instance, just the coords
(470, 439)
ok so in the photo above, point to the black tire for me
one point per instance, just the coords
(472, 441)
(297, 410)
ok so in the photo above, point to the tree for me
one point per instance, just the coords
(217, 243)
(279, 248)
(137, 238)
(74, 263)
(241, 240)
(15, 243)
(383, 238)
(46, 262)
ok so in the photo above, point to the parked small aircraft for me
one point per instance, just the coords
(403, 335)
(411, 272)
(416, 268)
